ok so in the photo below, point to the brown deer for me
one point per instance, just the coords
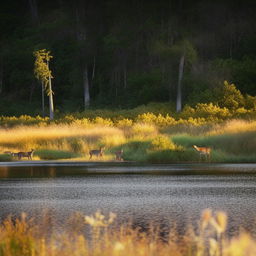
(96, 152)
(119, 155)
(15, 155)
(203, 151)
(29, 154)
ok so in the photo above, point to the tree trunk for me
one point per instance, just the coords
(32, 88)
(51, 108)
(33, 10)
(179, 92)
(86, 88)
(1, 75)
(93, 68)
(43, 111)
(125, 76)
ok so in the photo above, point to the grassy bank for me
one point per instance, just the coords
(25, 237)
(230, 141)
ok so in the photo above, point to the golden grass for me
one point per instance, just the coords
(63, 137)
(53, 132)
(137, 139)
(25, 237)
(233, 126)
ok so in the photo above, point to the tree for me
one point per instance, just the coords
(231, 97)
(181, 52)
(186, 52)
(44, 74)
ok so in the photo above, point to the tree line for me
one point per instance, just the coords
(120, 54)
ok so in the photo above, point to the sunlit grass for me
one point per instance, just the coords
(231, 141)
(59, 137)
(100, 235)
(233, 126)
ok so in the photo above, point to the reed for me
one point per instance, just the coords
(25, 237)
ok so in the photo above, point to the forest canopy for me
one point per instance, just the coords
(121, 54)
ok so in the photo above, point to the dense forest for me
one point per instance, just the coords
(121, 54)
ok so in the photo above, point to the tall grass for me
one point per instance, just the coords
(231, 141)
(99, 235)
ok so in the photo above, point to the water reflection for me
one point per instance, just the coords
(143, 194)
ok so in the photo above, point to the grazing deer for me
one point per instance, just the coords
(29, 154)
(206, 151)
(119, 155)
(96, 152)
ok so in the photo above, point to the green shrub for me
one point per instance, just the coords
(231, 97)
(163, 142)
(5, 158)
(169, 156)
(46, 154)
(136, 150)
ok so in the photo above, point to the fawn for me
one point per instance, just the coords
(119, 155)
(203, 151)
(96, 152)
(29, 154)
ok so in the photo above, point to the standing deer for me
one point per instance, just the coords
(16, 155)
(119, 155)
(206, 151)
(29, 154)
(96, 152)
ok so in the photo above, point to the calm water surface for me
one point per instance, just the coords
(158, 193)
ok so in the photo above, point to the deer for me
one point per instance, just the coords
(119, 155)
(16, 155)
(96, 152)
(206, 151)
(29, 154)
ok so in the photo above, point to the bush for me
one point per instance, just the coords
(163, 143)
(231, 97)
(168, 156)
(5, 158)
(47, 154)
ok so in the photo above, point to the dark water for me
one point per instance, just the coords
(159, 193)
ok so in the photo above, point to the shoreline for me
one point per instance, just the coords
(85, 167)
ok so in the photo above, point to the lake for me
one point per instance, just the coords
(161, 194)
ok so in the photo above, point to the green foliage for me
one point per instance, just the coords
(250, 102)
(12, 121)
(5, 158)
(47, 154)
(41, 69)
(131, 57)
(231, 97)
(136, 150)
(163, 143)
(145, 88)
(206, 110)
(76, 145)
(167, 156)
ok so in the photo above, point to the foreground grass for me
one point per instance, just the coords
(25, 237)
(231, 141)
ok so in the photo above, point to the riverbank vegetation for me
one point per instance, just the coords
(100, 235)
(151, 133)
(148, 137)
